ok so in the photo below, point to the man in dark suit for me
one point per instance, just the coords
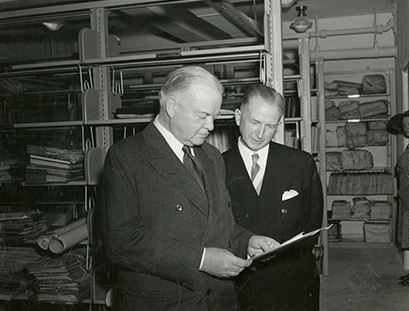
(165, 210)
(277, 194)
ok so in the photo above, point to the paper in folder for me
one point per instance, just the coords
(273, 252)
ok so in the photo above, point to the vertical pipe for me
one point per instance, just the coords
(321, 116)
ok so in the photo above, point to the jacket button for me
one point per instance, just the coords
(284, 211)
(179, 207)
(247, 216)
(287, 272)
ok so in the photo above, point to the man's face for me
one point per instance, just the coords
(258, 121)
(194, 113)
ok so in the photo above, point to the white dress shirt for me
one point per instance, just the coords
(246, 154)
(173, 143)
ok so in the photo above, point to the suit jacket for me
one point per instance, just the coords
(156, 222)
(289, 281)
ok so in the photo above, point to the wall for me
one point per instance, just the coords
(351, 42)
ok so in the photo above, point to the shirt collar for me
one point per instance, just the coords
(246, 153)
(173, 143)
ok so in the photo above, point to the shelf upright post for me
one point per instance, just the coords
(322, 160)
(390, 76)
(274, 57)
(304, 89)
(102, 81)
(101, 76)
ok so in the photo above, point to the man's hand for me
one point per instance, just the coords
(221, 263)
(259, 244)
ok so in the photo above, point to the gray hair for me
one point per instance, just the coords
(184, 77)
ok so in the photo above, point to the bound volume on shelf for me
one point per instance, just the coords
(53, 165)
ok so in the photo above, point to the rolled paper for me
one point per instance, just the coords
(44, 241)
(68, 239)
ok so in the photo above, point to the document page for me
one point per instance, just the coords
(301, 236)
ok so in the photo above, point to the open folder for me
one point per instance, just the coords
(299, 237)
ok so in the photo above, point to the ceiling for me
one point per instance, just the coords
(165, 32)
(324, 8)
(151, 25)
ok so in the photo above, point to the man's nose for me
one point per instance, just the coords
(209, 124)
(260, 132)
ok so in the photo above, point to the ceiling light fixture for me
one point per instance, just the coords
(54, 26)
(287, 3)
(301, 23)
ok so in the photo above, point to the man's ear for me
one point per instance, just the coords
(170, 106)
(237, 116)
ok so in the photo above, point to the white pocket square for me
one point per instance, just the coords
(289, 194)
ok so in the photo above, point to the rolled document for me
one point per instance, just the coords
(65, 240)
(44, 241)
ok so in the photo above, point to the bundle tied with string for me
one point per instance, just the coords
(395, 123)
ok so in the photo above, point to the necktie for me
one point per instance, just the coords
(255, 168)
(194, 166)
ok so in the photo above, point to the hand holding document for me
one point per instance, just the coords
(259, 244)
(299, 237)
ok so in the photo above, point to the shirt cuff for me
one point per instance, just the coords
(201, 261)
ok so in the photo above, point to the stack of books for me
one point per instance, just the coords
(53, 165)
(19, 227)
(14, 259)
(6, 166)
(14, 278)
(361, 208)
(341, 209)
(292, 107)
(62, 279)
(381, 210)
(343, 88)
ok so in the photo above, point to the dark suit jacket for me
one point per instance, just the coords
(290, 280)
(156, 222)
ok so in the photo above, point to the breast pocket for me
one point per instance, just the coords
(292, 210)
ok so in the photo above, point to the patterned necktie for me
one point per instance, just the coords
(194, 167)
(255, 168)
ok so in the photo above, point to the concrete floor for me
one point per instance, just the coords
(364, 277)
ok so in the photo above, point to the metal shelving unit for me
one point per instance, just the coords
(106, 51)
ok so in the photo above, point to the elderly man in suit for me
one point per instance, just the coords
(165, 210)
(275, 191)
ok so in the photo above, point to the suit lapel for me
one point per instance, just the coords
(275, 178)
(240, 184)
(163, 159)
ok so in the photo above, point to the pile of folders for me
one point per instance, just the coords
(14, 278)
(6, 166)
(19, 227)
(365, 183)
(53, 165)
(62, 279)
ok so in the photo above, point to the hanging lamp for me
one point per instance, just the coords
(301, 23)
